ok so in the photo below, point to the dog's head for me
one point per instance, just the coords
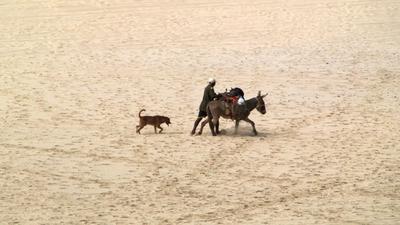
(167, 121)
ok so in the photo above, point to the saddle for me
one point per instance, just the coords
(230, 104)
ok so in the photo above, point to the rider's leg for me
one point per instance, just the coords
(196, 123)
(202, 114)
(202, 126)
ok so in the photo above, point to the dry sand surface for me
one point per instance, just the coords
(75, 73)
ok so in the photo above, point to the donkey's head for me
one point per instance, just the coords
(260, 103)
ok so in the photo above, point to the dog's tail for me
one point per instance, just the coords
(141, 112)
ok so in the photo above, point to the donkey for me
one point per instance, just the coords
(219, 108)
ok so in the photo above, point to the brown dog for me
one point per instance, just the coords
(156, 121)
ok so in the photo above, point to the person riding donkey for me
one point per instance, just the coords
(208, 95)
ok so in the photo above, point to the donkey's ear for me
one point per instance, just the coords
(259, 93)
(264, 95)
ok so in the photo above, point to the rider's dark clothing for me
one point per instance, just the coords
(208, 96)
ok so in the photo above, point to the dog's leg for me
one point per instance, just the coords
(138, 129)
(160, 129)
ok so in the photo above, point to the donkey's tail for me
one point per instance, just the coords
(141, 112)
(209, 114)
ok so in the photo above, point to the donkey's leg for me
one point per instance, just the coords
(202, 126)
(210, 122)
(215, 122)
(236, 126)
(155, 129)
(217, 127)
(252, 124)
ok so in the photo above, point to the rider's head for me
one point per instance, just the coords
(212, 82)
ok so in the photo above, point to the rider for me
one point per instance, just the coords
(208, 96)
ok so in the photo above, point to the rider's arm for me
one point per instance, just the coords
(212, 93)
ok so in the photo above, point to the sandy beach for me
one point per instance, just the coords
(74, 75)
